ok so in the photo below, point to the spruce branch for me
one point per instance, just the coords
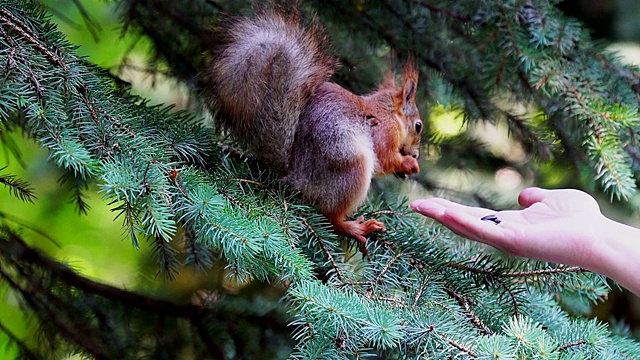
(535, 273)
(386, 267)
(167, 257)
(197, 254)
(36, 272)
(265, 186)
(325, 249)
(493, 275)
(78, 189)
(462, 348)
(465, 304)
(18, 187)
(24, 31)
(568, 346)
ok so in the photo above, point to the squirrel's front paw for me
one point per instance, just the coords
(408, 167)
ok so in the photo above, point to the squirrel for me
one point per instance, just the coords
(268, 80)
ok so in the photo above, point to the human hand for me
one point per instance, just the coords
(561, 226)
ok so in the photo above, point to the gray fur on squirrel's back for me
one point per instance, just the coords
(261, 77)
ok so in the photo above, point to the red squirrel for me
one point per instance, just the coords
(268, 81)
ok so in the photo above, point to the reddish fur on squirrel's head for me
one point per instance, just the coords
(397, 139)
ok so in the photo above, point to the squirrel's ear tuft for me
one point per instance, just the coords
(409, 88)
(410, 82)
(404, 97)
(409, 91)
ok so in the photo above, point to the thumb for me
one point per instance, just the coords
(532, 195)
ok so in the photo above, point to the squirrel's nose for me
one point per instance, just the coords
(413, 152)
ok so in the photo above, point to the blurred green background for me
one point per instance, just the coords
(94, 244)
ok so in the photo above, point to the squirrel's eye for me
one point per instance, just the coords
(418, 126)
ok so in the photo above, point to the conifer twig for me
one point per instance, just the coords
(570, 345)
(387, 266)
(18, 187)
(466, 307)
(419, 292)
(557, 270)
(462, 348)
(22, 29)
(249, 181)
(492, 274)
(384, 212)
(453, 343)
(400, 303)
(324, 247)
(70, 333)
(356, 283)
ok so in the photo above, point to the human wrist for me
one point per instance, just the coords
(616, 254)
(603, 240)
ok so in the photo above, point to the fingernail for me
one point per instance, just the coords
(416, 206)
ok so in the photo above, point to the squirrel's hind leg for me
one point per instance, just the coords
(356, 229)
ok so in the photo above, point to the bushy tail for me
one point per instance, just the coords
(261, 76)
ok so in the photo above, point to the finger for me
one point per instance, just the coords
(436, 209)
(532, 195)
(436, 206)
(429, 207)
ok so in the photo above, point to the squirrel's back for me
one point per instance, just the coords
(261, 76)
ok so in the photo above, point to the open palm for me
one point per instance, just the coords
(559, 226)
